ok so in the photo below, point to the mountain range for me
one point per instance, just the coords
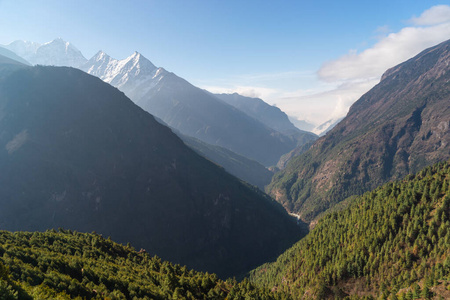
(302, 124)
(77, 153)
(190, 110)
(262, 135)
(398, 127)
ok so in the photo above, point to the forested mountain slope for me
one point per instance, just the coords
(77, 153)
(71, 265)
(392, 242)
(398, 127)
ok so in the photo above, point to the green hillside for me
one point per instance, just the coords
(392, 243)
(68, 265)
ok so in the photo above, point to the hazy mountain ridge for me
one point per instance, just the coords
(11, 55)
(271, 116)
(246, 169)
(6, 61)
(148, 86)
(76, 153)
(55, 53)
(398, 127)
(301, 124)
(190, 110)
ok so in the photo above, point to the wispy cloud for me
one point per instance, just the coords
(340, 82)
(357, 72)
(319, 107)
(388, 52)
(436, 15)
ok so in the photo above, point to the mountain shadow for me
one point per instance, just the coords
(77, 153)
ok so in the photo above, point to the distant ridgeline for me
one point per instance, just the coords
(68, 265)
(197, 113)
(392, 243)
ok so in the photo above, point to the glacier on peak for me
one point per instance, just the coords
(24, 49)
(134, 75)
(57, 53)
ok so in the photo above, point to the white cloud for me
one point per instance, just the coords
(356, 73)
(436, 15)
(388, 52)
(339, 83)
(322, 106)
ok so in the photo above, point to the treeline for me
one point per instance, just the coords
(391, 243)
(72, 265)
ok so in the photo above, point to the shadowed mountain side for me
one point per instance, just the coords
(7, 65)
(77, 153)
(246, 169)
(197, 113)
(398, 127)
(7, 61)
(269, 115)
(286, 158)
(190, 110)
(11, 55)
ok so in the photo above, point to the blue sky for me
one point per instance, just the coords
(279, 50)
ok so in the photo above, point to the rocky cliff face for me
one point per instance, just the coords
(398, 127)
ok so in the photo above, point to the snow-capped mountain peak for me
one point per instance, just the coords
(126, 74)
(57, 53)
(24, 49)
(59, 42)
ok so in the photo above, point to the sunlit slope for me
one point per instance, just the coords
(391, 241)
